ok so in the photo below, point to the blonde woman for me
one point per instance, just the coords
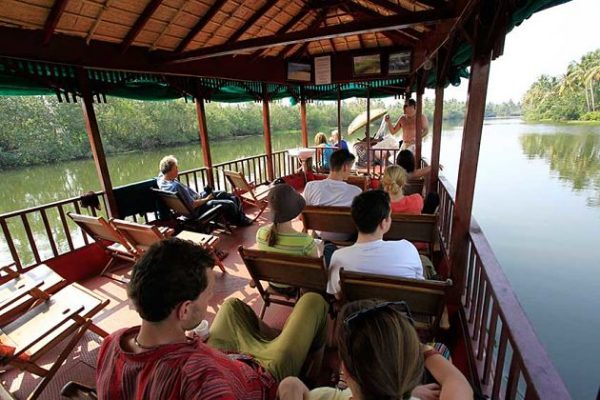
(394, 178)
(321, 141)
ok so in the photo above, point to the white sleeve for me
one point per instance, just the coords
(333, 284)
(307, 194)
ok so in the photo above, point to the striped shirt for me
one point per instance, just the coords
(191, 370)
(295, 243)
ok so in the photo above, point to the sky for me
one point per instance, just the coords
(544, 44)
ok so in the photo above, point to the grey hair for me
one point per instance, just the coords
(166, 164)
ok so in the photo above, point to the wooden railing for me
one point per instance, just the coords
(509, 359)
(35, 235)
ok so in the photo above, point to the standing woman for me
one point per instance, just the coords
(321, 141)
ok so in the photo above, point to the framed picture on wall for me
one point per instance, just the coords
(399, 63)
(299, 72)
(366, 65)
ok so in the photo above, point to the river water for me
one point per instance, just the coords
(537, 199)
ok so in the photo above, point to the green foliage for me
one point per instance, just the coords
(568, 97)
(591, 116)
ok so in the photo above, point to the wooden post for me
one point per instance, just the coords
(339, 112)
(203, 131)
(367, 131)
(303, 124)
(267, 133)
(467, 171)
(436, 140)
(91, 126)
(419, 122)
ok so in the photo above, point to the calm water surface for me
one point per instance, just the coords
(537, 199)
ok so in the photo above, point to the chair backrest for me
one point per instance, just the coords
(414, 228)
(99, 229)
(413, 186)
(359, 181)
(238, 181)
(174, 201)
(328, 219)
(139, 235)
(425, 298)
(298, 271)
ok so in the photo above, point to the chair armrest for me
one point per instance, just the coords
(210, 214)
(28, 289)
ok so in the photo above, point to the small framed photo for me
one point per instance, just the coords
(299, 72)
(366, 65)
(399, 63)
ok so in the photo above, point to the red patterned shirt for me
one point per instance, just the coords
(190, 370)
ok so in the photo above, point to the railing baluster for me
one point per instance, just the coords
(489, 351)
(30, 238)
(11, 244)
(475, 294)
(483, 322)
(483, 287)
(470, 269)
(513, 377)
(500, 363)
(65, 225)
(78, 211)
(49, 232)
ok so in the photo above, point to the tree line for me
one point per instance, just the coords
(39, 129)
(572, 96)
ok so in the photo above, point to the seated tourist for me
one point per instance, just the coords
(393, 181)
(382, 358)
(371, 212)
(321, 141)
(333, 191)
(337, 141)
(243, 358)
(200, 203)
(406, 159)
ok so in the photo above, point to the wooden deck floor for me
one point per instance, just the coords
(80, 366)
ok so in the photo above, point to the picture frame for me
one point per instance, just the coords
(299, 71)
(366, 65)
(399, 63)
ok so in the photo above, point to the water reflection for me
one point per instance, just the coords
(576, 159)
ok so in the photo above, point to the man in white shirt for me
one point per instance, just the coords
(372, 214)
(333, 191)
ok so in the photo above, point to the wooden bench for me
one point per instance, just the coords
(329, 219)
(307, 273)
(425, 298)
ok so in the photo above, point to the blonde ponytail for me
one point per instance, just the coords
(394, 178)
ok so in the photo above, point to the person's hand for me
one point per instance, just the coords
(387, 117)
(430, 391)
(441, 167)
(292, 388)
(209, 197)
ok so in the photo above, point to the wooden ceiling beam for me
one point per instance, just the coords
(382, 24)
(319, 18)
(393, 7)
(52, 21)
(139, 24)
(409, 33)
(205, 19)
(255, 17)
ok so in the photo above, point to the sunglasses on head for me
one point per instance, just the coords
(401, 306)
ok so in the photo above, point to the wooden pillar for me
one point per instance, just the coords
(467, 171)
(267, 133)
(203, 131)
(93, 132)
(303, 124)
(367, 131)
(339, 112)
(436, 140)
(419, 122)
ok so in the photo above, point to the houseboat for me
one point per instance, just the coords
(86, 51)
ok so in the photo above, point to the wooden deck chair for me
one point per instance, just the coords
(248, 193)
(413, 186)
(419, 228)
(65, 314)
(297, 271)
(183, 213)
(101, 231)
(329, 219)
(20, 290)
(425, 298)
(143, 236)
(360, 181)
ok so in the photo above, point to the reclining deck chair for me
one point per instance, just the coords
(101, 231)
(425, 298)
(182, 212)
(20, 290)
(298, 271)
(143, 236)
(65, 314)
(248, 193)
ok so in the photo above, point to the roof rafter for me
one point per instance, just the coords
(139, 24)
(356, 27)
(200, 25)
(53, 17)
(320, 17)
(255, 17)
(394, 36)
